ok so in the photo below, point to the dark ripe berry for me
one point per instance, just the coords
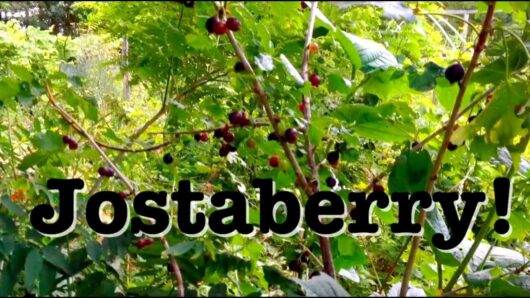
(229, 137)
(273, 137)
(274, 161)
(123, 194)
(315, 80)
(168, 158)
(106, 171)
(219, 28)
(204, 137)
(331, 182)
(170, 268)
(378, 187)
(223, 151)
(141, 243)
(233, 24)
(197, 137)
(455, 73)
(72, 145)
(246, 122)
(189, 4)
(239, 67)
(451, 146)
(471, 118)
(333, 157)
(218, 133)
(67, 139)
(290, 135)
(210, 24)
(232, 148)
(303, 4)
(236, 117)
(102, 171)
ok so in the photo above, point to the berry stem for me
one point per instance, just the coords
(486, 28)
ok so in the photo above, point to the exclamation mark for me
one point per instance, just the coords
(503, 195)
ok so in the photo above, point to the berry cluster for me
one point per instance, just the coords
(220, 27)
(72, 144)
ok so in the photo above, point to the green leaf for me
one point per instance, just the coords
(9, 88)
(410, 172)
(274, 277)
(47, 280)
(427, 80)
(349, 48)
(94, 250)
(373, 55)
(181, 248)
(7, 282)
(446, 93)
(501, 287)
(95, 285)
(218, 290)
(482, 150)
(368, 123)
(56, 258)
(37, 158)
(199, 42)
(32, 268)
(12, 207)
(387, 84)
(350, 253)
(336, 83)
(7, 226)
(48, 142)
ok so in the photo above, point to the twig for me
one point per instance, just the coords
(78, 127)
(175, 267)
(460, 114)
(192, 132)
(448, 132)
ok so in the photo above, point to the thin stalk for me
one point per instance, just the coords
(483, 36)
